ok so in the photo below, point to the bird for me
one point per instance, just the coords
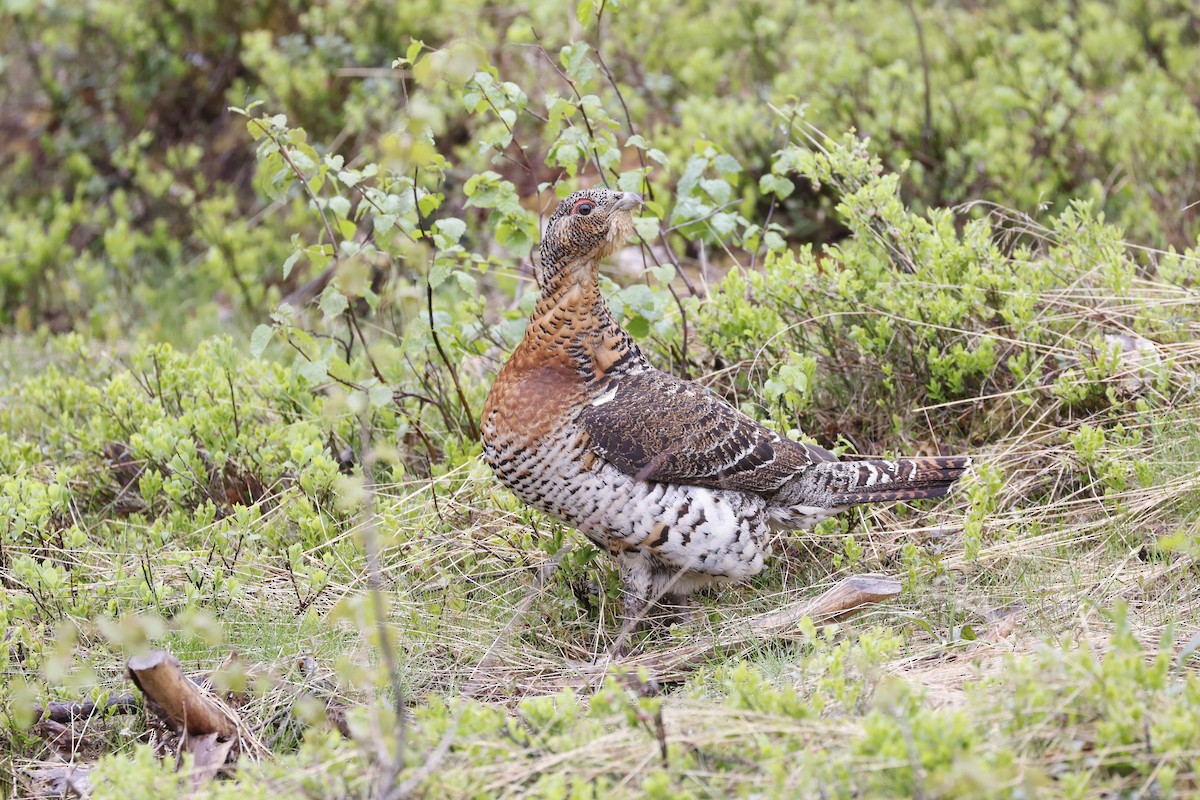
(682, 489)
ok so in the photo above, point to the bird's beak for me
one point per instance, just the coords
(628, 200)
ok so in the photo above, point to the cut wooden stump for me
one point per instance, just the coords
(207, 727)
(176, 700)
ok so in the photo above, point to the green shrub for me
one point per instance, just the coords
(914, 324)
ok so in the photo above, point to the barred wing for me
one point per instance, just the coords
(657, 427)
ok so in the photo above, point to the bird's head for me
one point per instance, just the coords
(586, 227)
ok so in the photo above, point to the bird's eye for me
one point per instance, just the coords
(583, 207)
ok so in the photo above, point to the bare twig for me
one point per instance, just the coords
(766, 226)
(476, 683)
(366, 350)
(927, 131)
(620, 96)
(299, 173)
(587, 123)
(472, 428)
(375, 591)
(65, 712)
(527, 165)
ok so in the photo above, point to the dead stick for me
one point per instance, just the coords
(177, 700)
(62, 711)
(839, 602)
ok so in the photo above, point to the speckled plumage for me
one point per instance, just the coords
(680, 487)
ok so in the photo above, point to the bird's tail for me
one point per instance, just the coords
(853, 483)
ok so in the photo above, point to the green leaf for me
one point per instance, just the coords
(452, 228)
(384, 223)
(333, 303)
(290, 263)
(776, 184)
(630, 181)
(466, 281)
(574, 59)
(719, 190)
(726, 164)
(313, 371)
(646, 227)
(664, 273)
(260, 339)
(567, 156)
(438, 274)
(429, 203)
(516, 235)
(340, 206)
(584, 12)
(638, 326)
(379, 396)
(723, 223)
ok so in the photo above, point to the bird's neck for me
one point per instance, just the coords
(572, 320)
(571, 292)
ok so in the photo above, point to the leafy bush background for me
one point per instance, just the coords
(258, 263)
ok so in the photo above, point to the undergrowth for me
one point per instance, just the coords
(212, 503)
(289, 496)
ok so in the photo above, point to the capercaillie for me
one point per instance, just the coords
(681, 488)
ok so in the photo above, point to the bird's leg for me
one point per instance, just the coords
(680, 609)
(636, 585)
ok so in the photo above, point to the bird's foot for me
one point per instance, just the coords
(680, 613)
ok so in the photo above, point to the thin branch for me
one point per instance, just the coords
(366, 350)
(375, 583)
(927, 132)
(237, 427)
(612, 81)
(472, 428)
(512, 135)
(304, 182)
(587, 123)
(766, 226)
(705, 218)
(683, 352)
